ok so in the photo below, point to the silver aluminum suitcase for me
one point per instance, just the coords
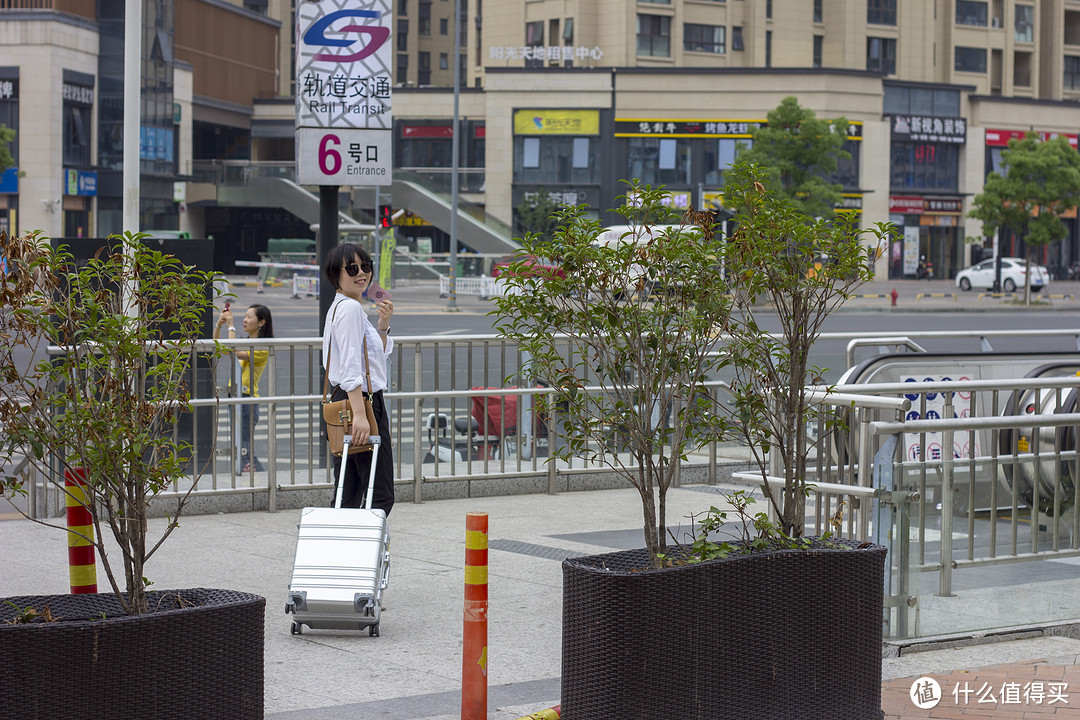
(342, 563)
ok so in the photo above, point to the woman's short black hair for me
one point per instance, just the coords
(263, 313)
(341, 256)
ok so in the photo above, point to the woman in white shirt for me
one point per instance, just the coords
(349, 270)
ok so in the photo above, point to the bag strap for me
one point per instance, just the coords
(367, 367)
(330, 352)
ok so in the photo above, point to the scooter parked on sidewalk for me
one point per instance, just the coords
(925, 271)
(489, 433)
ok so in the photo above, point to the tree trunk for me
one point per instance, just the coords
(648, 506)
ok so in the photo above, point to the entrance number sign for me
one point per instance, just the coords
(344, 109)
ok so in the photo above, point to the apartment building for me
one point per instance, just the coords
(1023, 48)
(565, 97)
(934, 89)
(61, 89)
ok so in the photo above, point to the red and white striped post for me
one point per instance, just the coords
(82, 565)
(474, 645)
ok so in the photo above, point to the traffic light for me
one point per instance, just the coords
(386, 218)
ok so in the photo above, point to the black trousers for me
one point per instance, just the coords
(359, 465)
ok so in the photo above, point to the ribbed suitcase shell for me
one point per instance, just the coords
(342, 565)
(341, 554)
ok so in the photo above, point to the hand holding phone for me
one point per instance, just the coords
(376, 293)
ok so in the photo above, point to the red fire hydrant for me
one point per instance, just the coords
(893, 295)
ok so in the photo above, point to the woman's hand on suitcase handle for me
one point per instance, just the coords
(360, 428)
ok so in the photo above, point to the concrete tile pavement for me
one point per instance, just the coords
(412, 671)
(944, 296)
(1045, 687)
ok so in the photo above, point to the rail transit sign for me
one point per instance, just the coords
(344, 115)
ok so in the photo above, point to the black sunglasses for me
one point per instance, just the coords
(353, 269)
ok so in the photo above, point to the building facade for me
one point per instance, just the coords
(564, 97)
(936, 87)
(61, 89)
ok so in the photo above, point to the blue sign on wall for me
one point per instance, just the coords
(156, 143)
(9, 181)
(80, 182)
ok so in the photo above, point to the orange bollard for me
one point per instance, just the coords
(474, 646)
(82, 565)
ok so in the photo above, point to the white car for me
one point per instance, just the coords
(1013, 271)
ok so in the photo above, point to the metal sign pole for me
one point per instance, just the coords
(455, 152)
(344, 111)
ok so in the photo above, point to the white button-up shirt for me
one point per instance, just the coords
(348, 324)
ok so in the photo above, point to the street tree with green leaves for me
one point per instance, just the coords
(7, 136)
(799, 151)
(1039, 183)
(537, 214)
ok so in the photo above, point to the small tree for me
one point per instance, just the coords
(799, 151)
(624, 341)
(108, 400)
(773, 256)
(7, 136)
(1039, 184)
(537, 215)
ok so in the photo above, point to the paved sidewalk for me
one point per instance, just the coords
(1042, 687)
(944, 296)
(413, 670)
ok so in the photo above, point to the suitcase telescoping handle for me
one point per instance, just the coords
(373, 440)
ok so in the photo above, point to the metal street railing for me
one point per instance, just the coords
(984, 493)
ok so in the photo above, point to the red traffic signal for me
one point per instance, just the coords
(386, 218)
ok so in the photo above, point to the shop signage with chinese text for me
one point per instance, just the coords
(1001, 138)
(80, 182)
(560, 196)
(650, 127)
(555, 53)
(77, 94)
(557, 122)
(343, 92)
(926, 128)
(916, 205)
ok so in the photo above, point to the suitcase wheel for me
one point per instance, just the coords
(296, 629)
(373, 630)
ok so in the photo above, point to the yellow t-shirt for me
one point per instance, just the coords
(246, 380)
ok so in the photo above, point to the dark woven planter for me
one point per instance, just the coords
(787, 635)
(199, 661)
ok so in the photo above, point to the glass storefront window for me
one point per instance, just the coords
(719, 157)
(76, 135)
(847, 170)
(924, 166)
(547, 160)
(9, 113)
(659, 161)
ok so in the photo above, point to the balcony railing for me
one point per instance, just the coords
(82, 8)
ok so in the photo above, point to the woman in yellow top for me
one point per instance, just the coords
(257, 323)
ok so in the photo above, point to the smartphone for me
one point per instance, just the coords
(376, 293)
(228, 304)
